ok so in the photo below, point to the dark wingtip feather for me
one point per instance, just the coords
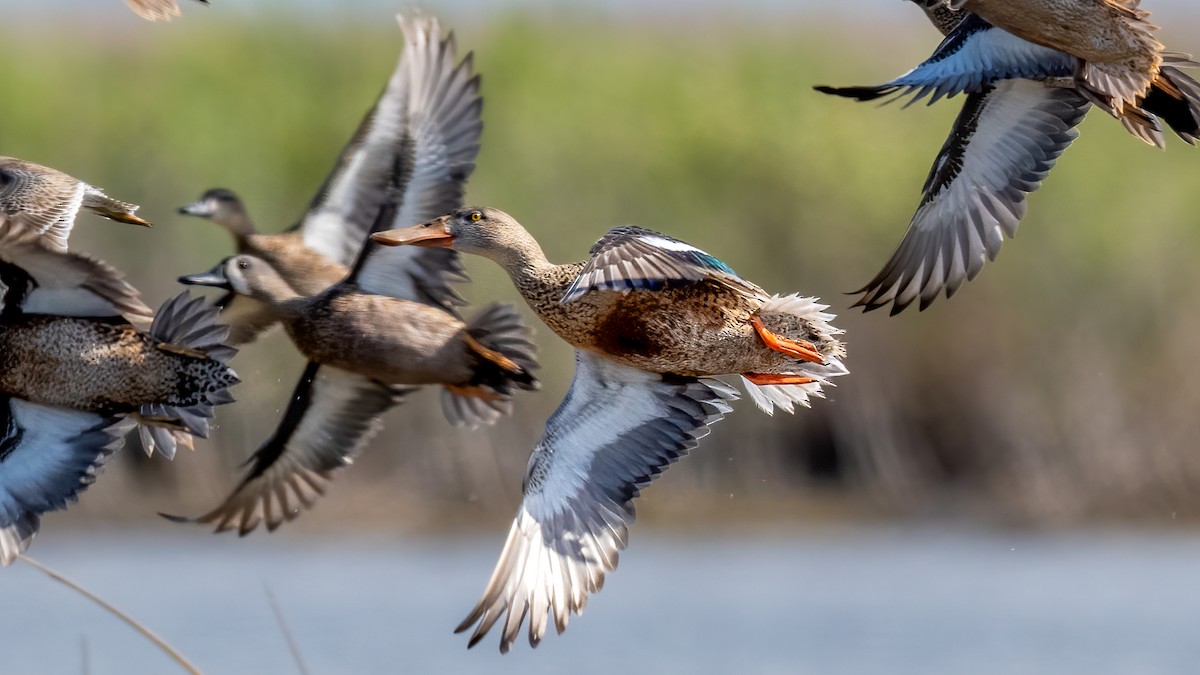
(858, 93)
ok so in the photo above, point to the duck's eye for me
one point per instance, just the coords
(243, 265)
(476, 216)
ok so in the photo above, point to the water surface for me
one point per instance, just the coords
(856, 601)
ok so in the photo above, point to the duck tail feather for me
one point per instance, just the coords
(187, 326)
(192, 324)
(504, 360)
(501, 329)
(1175, 99)
(113, 209)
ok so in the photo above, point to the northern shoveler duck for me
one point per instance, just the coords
(76, 374)
(653, 321)
(425, 127)
(45, 201)
(157, 10)
(369, 342)
(1020, 114)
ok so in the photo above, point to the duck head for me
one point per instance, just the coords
(223, 207)
(244, 275)
(483, 231)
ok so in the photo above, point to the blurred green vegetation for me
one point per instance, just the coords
(1059, 385)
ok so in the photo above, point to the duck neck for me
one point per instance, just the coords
(525, 263)
(274, 291)
(238, 223)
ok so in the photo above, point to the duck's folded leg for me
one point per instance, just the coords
(765, 379)
(492, 355)
(799, 349)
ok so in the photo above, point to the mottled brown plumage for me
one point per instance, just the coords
(99, 366)
(695, 330)
(1121, 57)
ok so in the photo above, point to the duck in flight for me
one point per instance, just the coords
(1117, 61)
(391, 323)
(43, 201)
(424, 126)
(653, 321)
(77, 373)
(369, 343)
(1020, 114)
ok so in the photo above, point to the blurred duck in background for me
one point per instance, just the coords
(425, 123)
(1024, 102)
(392, 324)
(41, 201)
(76, 373)
(653, 320)
(157, 10)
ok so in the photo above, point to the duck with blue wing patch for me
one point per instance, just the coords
(76, 374)
(654, 321)
(1019, 117)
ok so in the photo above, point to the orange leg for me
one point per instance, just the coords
(762, 379)
(473, 392)
(492, 355)
(797, 349)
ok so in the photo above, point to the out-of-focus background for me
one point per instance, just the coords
(1007, 482)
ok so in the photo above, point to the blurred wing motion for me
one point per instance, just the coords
(1004, 142)
(47, 457)
(422, 136)
(630, 258)
(37, 280)
(435, 156)
(616, 430)
(973, 55)
(331, 417)
(156, 10)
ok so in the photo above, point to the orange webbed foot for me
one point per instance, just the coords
(765, 379)
(797, 349)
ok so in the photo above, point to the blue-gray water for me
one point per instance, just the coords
(891, 601)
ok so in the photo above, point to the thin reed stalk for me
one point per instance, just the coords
(133, 623)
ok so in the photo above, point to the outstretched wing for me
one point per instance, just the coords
(631, 258)
(617, 429)
(1004, 142)
(971, 57)
(38, 280)
(331, 417)
(47, 457)
(416, 149)
(435, 158)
